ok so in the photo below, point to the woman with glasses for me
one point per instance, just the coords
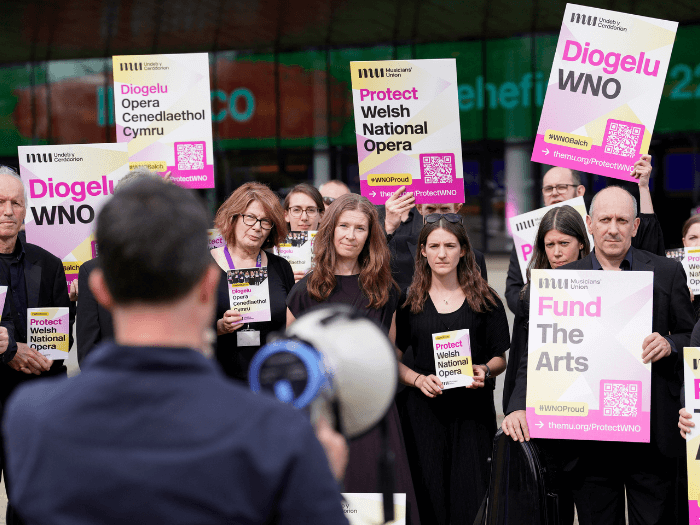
(249, 221)
(449, 432)
(561, 239)
(303, 209)
(352, 267)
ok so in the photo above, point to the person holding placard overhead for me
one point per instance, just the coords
(352, 267)
(645, 472)
(250, 220)
(303, 209)
(449, 433)
(563, 184)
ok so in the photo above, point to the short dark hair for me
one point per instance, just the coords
(153, 242)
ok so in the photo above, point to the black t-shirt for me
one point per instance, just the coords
(347, 291)
(235, 361)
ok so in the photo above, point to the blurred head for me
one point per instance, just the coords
(612, 221)
(350, 231)
(331, 190)
(445, 248)
(428, 209)
(140, 173)
(691, 232)
(153, 243)
(303, 208)
(561, 239)
(561, 184)
(12, 204)
(251, 217)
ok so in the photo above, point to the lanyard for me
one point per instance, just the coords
(258, 263)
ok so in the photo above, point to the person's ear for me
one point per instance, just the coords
(589, 224)
(458, 207)
(98, 287)
(419, 208)
(580, 190)
(636, 226)
(422, 251)
(208, 284)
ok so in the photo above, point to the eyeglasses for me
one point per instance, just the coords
(296, 211)
(454, 218)
(561, 188)
(250, 220)
(327, 200)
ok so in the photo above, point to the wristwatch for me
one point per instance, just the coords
(488, 372)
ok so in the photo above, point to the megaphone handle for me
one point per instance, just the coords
(386, 472)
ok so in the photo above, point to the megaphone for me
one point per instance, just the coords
(333, 362)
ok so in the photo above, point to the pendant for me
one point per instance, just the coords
(445, 301)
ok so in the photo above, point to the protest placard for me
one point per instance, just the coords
(67, 186)
(453, 358)
(407, 127)
(297, 250)
(691, 376)
(3, 295)
(367, 508)
(250, 294)
(585, 375)
(524, 229)
(162, 107)
(604, 90)
(47, 331)
(690, 259)
(215, 239)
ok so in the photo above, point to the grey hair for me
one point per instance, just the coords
(139, 173)
(6, 170)
(634, 201)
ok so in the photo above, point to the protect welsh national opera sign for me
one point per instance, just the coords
(48, 331)
(585, 374)
(524, 229)
(67, 187)
(407, 127)
(691, 265)
(691, 376)
(163, 111)
(604, 90)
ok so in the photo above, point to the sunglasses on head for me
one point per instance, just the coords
(327, 200)
(454, 218)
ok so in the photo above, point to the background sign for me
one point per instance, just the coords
(691, 375)
(585, 375)
(604, 91)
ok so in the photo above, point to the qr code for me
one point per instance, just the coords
(620, 399)
(437, 168)
(190, 156)
(623, 139)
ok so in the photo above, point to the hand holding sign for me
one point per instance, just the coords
(398, 204)
(230, 322)
(642, 170)
(655, 347)
(684, 422)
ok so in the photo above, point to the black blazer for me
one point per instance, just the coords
(46, 287)
(403, 244)
(649, 237)
(93, 322)
(673, 316)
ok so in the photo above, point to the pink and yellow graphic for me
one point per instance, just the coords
(215, 239)
(297, 249)
(3, 295)
(407, 127)
(163, 111)
(691, 375)
(47, 331)
(604, 91)
(453, 358)
(66, 187)
(249, 293)
(585, 374)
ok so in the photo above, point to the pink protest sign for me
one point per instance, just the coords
(585, 374)
(604, 91)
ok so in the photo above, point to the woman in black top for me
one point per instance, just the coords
(250, 220)
(691, 239)
(352, 267)
(449, 433)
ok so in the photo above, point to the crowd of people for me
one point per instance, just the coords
(409, 267)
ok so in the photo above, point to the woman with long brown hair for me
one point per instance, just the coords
(352, 267)
(449, 433)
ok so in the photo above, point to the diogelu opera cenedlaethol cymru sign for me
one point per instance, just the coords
(407, 126)
(604, 91)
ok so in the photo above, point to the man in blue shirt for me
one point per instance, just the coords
(151, 431)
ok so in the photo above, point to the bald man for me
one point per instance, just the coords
(332, 189)
(646, 471)
(562, 184)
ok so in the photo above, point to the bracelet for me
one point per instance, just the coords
(416, 379)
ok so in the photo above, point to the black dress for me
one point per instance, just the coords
(235, 361)
(361, 474)
(449, 437)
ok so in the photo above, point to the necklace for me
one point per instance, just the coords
(447, 300)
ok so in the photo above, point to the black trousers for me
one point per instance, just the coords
(606, 470)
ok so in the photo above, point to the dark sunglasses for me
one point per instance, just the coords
(454, 218)
(327, 200)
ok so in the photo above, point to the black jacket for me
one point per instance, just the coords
(93, 322)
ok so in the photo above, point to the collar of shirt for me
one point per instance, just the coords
(625, 265)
